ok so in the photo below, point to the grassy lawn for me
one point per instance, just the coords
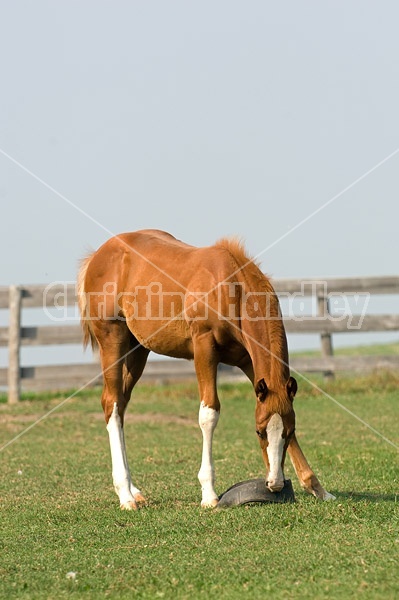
(60, 515)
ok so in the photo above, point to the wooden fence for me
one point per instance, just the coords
(324, 322)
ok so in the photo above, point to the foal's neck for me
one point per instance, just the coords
(266, 344)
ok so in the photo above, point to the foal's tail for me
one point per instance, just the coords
(88, 335)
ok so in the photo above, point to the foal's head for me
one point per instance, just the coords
(275, 424)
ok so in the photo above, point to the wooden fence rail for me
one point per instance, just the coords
(63, 296)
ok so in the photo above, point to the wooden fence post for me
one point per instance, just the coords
(14, 343)
(326, 338)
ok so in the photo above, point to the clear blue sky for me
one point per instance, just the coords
(204, 119)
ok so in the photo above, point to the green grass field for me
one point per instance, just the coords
(390, 349)
(60, 515)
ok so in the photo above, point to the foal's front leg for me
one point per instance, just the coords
(208, 418)
(206, 367)
(306, 476)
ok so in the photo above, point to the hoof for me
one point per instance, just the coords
(210, 503)
(314, 487)
(139, 499)
(328, 497)
(131, 505)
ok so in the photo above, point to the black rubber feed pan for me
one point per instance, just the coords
(255, 490)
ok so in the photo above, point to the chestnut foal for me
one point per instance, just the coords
(146, 291)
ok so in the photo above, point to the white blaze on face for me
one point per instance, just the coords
(275, 451)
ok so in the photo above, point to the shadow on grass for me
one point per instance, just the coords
(369, 496)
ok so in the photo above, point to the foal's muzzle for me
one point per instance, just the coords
(275, 485)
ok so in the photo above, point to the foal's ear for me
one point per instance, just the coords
(261, 390)
(292, 388)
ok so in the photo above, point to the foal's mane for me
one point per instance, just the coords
(248, 270)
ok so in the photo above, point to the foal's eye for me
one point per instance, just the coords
(259, 434)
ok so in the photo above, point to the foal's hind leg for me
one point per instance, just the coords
(206, 368)
(307, 478)
(134, 365)
(114, 343)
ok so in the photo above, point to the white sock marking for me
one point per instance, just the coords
(120, 467)
(207, 419)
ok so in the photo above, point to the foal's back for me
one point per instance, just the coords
(156, 279)
(142, 257)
